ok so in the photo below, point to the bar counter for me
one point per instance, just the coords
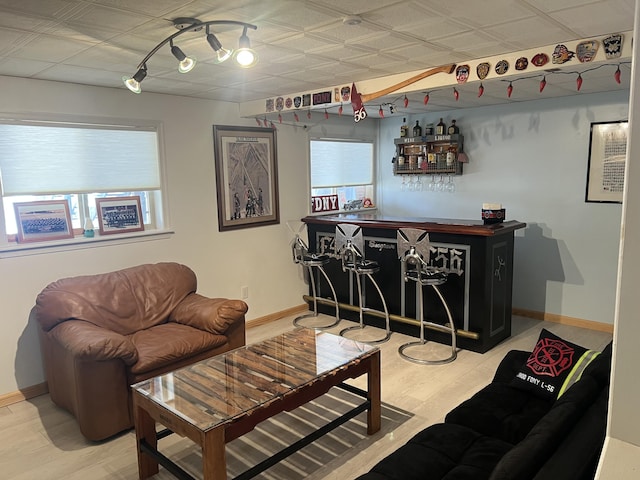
(477, 257)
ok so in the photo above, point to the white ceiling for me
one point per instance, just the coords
(302, 45)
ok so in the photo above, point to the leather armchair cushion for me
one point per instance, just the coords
(213, 315)
(124, 301)
(165, 344)
(86, 341)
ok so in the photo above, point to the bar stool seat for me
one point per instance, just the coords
(350, 247)
(310, 260)
(413, 248)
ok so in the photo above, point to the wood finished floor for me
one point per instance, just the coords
(41, 441)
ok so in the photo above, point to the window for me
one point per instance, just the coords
(343, 168)
(78, 162)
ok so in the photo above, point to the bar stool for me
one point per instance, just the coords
(413, 248)
(311, 260)
(350, 247)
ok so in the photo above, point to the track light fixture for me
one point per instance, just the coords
(245, 56)
(222, 54)
(186, 63)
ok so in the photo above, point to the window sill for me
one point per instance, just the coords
(80, 242)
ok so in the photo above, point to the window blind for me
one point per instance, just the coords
(338, 163)
(46, 159)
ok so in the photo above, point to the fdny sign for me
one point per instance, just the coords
(324, 203)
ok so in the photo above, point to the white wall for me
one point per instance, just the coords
(531, 157)
(223, 261)
(621, 455)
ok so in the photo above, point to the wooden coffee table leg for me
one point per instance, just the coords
(214, 465)
(145, 430)
(374, 414)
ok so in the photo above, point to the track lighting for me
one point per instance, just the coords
(133, 83)
(222, 54)
(245, 56)
(186, 63)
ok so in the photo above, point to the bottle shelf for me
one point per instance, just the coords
(431, 169)
(413, 150)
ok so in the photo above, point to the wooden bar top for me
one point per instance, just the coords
(439, 225)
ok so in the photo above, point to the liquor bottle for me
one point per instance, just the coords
(453, 128)
(451, 155)
(404, 128)
(440, 127)
(417, 129)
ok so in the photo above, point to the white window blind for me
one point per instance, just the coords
(46, 160)
(338, 163)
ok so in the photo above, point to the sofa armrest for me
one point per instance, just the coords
(90, 342)
(214, 315)
(510, 365)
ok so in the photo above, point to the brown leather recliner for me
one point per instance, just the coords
(101, 333)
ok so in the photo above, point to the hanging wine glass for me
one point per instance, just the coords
(451, 186)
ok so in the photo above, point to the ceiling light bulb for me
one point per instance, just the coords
(133, 83)
(222, 54)
(245, 56)
(186, 63)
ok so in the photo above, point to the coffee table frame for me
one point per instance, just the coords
(213, 440)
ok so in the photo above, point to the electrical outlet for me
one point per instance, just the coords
(244, 292)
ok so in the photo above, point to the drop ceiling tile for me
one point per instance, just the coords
(50, 48)
(18, 67)
(523, 34)
(485, 13)
(82, 75)
(597, 19)
(115, 19)
(156, 8)
(302, 42)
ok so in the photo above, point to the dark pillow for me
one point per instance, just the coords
(554, 365)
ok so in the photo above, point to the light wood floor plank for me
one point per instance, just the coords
(42, 441)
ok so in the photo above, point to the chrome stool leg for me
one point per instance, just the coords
(443, 328)
(413, 249)
(363, 308)
(314, 313)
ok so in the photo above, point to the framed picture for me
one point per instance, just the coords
(246, 176)
(43, 220)
(119, 215)
(607, 160)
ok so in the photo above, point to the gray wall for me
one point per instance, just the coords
(531, 157)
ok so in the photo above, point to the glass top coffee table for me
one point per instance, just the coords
(220, 399)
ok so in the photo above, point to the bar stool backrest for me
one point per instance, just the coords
(349, 243)
(414, 250)
(298, 249)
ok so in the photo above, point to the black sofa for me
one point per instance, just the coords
(513, 429)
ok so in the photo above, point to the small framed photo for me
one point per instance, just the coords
(119, 215)
(607, 161)
(43, 220)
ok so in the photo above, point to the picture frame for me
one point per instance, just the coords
(607, 161)
(119, 215)
(43, 220)
(246, 176)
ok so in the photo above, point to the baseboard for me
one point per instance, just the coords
(564, 320)
(41, 388)
(272, 317)
(23, 394)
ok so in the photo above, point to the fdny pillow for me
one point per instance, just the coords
(554, 365)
